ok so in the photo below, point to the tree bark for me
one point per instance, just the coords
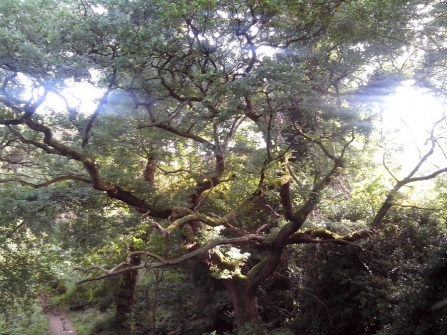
(150, 170)
(244, 304)
(125, 296)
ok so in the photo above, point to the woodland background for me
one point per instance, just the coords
(222, 167)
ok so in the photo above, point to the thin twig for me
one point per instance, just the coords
(322, 303)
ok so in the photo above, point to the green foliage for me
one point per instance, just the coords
(75, 296)
(259, 109)
(385, 289)
(171, 301)
(90, 320)
(422, 285)
(232, 260)
(27, 322)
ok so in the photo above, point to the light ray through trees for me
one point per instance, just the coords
(412, 117)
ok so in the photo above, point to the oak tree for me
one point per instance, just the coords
(224, 122)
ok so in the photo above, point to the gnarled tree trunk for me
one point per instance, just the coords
(244, 303)
(125, 296)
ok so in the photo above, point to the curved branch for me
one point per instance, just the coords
(99, 109)
(179, 223)
(155, 224)
(175, 171)
(214, 179)
(389, 201)
(37, 144)
(113, 191)
(164, 263)
(145, 253)
(386, 166)
(418, 207)
(223, 221)
(170, 118)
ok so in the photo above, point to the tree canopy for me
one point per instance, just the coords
(234, 135)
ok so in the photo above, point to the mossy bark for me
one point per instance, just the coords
(125, 296)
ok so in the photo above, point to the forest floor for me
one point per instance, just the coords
(59, 323)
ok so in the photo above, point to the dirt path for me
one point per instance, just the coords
(59, 323)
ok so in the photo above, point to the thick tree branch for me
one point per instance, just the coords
(296, 219)
(389, 200)
(313, 197)
(223, 221)
(37, 144)
(214, 180)
(157, 226)
(165, 263)
(112, 190)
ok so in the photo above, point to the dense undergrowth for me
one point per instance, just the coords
(385, 287)
(21, 321)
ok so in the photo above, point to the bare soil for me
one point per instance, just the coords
(59, 323)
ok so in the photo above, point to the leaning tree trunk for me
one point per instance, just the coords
(125, 296)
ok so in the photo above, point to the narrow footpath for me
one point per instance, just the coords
(60, 324)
